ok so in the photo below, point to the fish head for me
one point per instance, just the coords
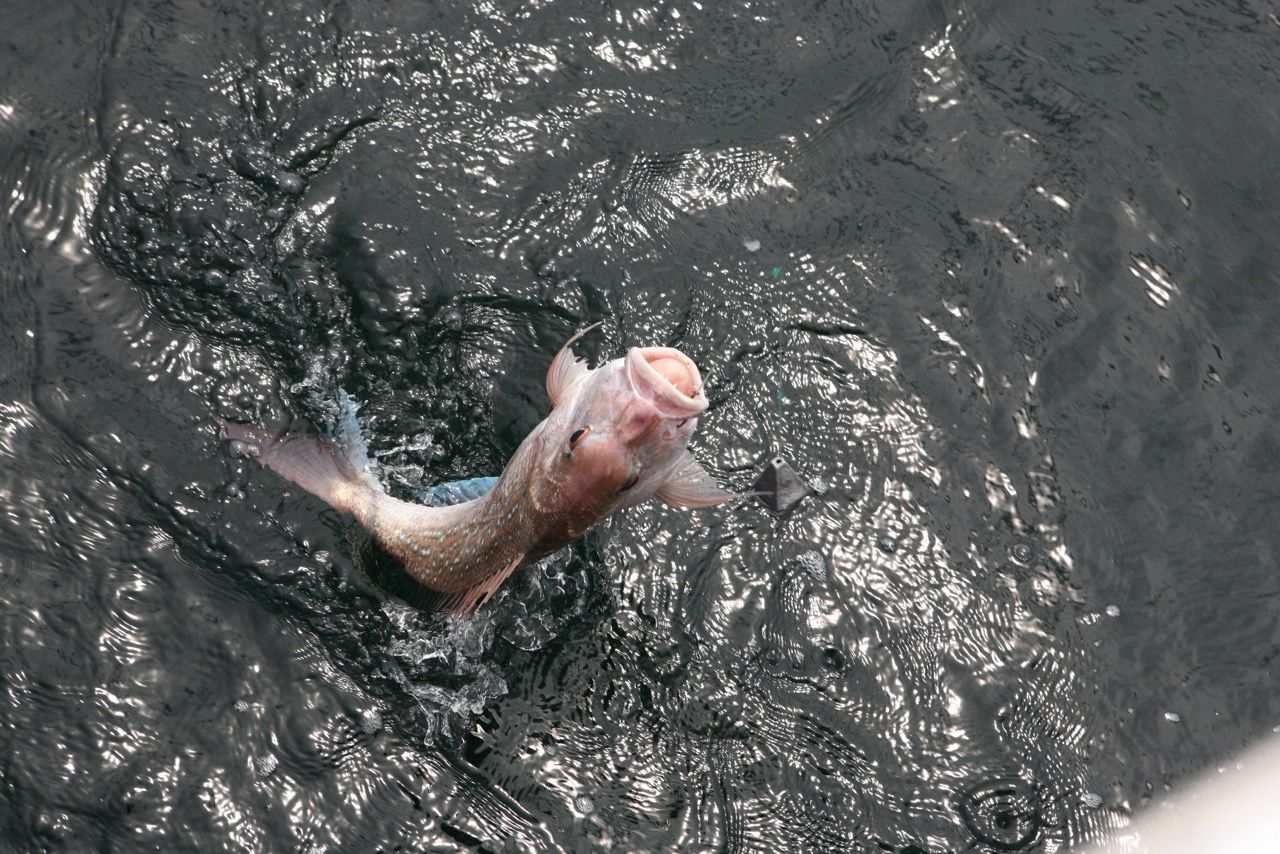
(623, 428)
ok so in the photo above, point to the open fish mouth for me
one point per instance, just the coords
(668, 379)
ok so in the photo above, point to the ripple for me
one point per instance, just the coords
(890, 236)
(1002, 812)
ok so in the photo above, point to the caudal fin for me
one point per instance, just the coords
(309, 461)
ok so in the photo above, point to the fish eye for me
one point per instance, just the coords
(577, 435)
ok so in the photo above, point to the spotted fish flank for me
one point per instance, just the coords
(616, 436)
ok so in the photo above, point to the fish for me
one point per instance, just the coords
(615, 436)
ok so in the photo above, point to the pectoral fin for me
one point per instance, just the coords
(690, 486)
(566, 368)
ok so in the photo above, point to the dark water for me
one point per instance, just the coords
(998, 277)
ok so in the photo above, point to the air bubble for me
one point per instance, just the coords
(290, 182)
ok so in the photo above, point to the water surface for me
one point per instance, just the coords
(996, 277)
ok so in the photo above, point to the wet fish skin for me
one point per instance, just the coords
(616, 435)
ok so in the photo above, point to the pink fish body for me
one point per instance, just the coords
(616, 436)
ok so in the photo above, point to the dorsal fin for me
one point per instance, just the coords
(566, 368)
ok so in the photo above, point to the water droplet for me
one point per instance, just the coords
(1172, 717)
(370, 721)
(584, 804)
(241, 705)
(264, 766)
(1021, 552)
(751, 244)
(452, 320)
(1113, 610)
(887, 545)
(1091, 800)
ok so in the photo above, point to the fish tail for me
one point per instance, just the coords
(309, 461)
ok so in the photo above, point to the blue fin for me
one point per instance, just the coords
(457, 491)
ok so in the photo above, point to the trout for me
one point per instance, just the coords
(615, 436)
